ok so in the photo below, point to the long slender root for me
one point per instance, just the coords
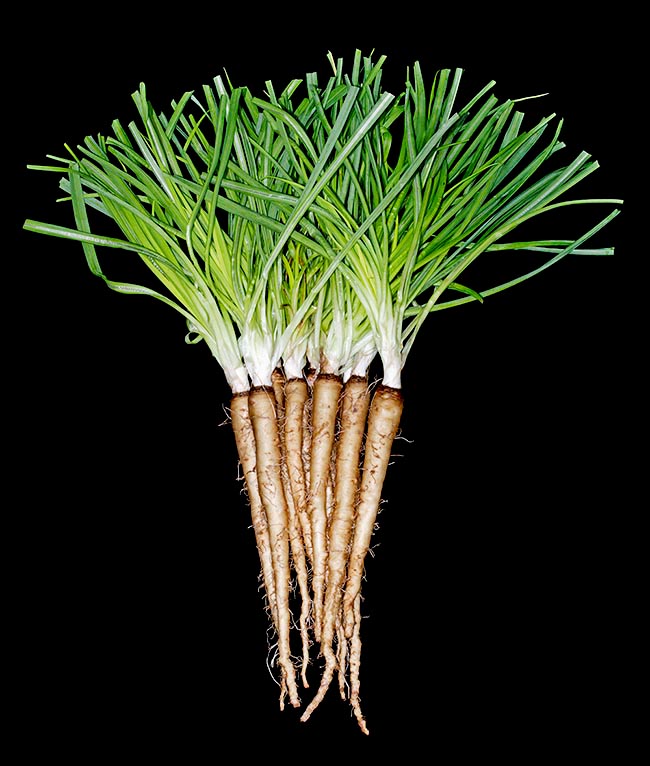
(354, 409)
(315, 453)
(383, 424)
(296, 395)
(269, 477)
(327, 388)
(296, 539)
(342, 655)
(302, 576)
(355, 664)
(245, 441)
(277, 382)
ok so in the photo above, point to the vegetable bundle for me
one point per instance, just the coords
(306, 236)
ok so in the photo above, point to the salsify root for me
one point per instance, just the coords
(383, 423)
(263, 416)
(342, 658)
(277, 382)
(355, 665)
(296, 395)
(296, 539)
(302, 576)
(245, 441)
(325, 398)
(353, 413)
(328, 506)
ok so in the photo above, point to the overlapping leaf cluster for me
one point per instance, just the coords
(326, 223)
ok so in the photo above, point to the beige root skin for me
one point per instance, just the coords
(296, 395)
(326, 391)
(262, 406)
(306, 452)
(302, 576)
(354, 410)
(245, 441)
(342, 657)
(321, 426)
(277, 381)
(288, 444)
(383, 423)
(355, 665)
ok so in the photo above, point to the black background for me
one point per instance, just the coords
(494, 601)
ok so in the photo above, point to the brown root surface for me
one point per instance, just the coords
(296, 395)
(383, 423)
(355, 665)
(314, 454)
(245, 441)
(296, 537)
(326, 391)
(353, 413)
(263, 415)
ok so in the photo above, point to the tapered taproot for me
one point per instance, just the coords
(262, 405)
(383, 423)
